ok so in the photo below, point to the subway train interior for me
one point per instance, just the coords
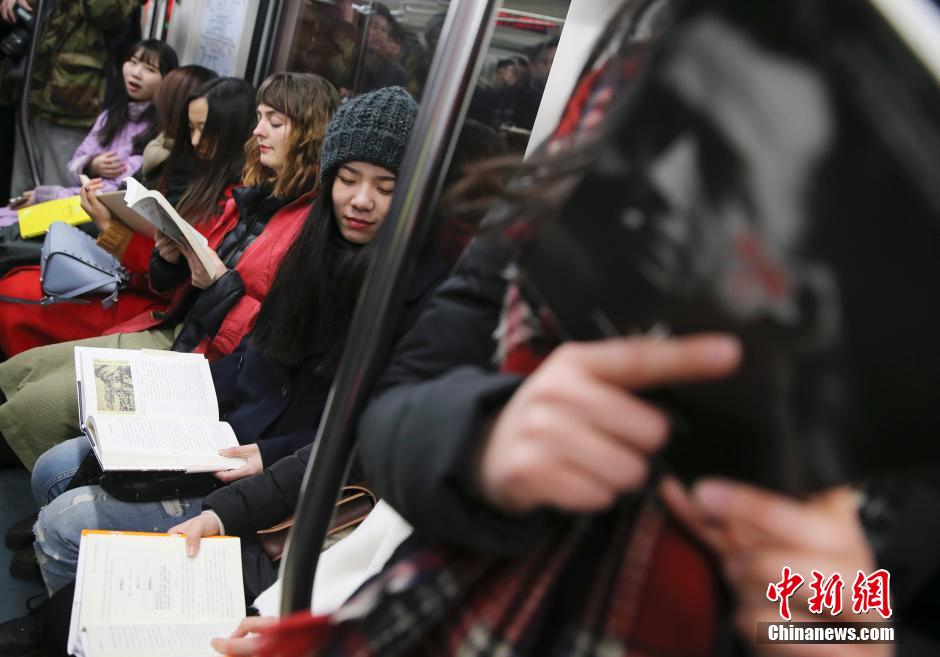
(470, 327)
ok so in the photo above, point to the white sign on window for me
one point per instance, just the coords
(223, 22)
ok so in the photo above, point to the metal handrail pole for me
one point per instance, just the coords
(25, 130)
(454, 70)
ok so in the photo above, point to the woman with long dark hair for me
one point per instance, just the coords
(211, 170)
(198, 174)
(210, 314)
(113, 148)
(273, 388)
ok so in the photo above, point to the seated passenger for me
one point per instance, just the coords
(219, 167)
(114, 147)
(169, 101)
(213, 314)
(198, 174)
(528, 466)
(272, 389)
(173, 93)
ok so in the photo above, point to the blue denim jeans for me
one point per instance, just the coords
(61, 521)
(55, 468)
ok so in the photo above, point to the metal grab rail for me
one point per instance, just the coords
(454, 70)
(39, 16)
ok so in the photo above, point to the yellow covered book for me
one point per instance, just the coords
(35, 219)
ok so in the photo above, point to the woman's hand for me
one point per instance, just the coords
(573, 437)
(756, 533)
(240, 644)
(24, 199)
(6, 9)
(106, 165)
(167, 248)
(251, 453)
(202, 278)
(96, 210)
(205, 524)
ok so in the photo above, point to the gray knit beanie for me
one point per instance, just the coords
(373, 128)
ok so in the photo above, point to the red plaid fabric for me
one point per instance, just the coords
(629, 582)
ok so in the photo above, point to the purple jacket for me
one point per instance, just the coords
(122, 144)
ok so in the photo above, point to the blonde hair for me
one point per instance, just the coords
(308, 101)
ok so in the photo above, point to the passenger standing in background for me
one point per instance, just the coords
(379, 69)
(69, 81)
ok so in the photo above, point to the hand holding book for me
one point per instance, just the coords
(253, 465)
(91, 204)
(245, 639)
(203, 276)
(194, 529)
(167, 248)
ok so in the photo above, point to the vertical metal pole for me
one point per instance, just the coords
(154, 13)
(29, 147)
(450, 84)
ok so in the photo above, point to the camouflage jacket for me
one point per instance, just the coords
(69, 75)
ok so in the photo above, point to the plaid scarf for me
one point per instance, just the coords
(630, 581)
(627, 582)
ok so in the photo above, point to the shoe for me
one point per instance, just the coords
(20, 535)
(23, 565)
(22, 636)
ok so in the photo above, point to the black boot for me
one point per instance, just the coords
(22, 636)
(20, 535)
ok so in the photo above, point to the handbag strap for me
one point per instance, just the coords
(69, 297)
(45, 301)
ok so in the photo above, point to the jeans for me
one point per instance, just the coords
(55, 468)
(61, 521)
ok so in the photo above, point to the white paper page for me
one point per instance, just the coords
(147, 579)
(184, 640)
(139, 198)
(74, 645)
(154, 207)
(132, 382)
(146, 443)
(79, 373)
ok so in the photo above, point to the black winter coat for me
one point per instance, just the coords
(279, 407)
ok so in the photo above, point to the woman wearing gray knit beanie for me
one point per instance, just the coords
(363, 148)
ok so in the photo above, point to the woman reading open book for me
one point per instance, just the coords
(211, 167)
(273, 388)
(206, 314)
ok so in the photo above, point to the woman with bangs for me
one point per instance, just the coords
(169, 101)
(113, 148)
(206, 180)
(213, 312)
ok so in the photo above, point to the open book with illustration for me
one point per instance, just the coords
(151, 410)
(146, 211)
(139, 595)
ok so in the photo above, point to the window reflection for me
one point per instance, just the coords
(364, 46)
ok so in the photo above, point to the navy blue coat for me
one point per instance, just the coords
(279, 406)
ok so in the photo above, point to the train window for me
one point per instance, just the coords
(360, 47)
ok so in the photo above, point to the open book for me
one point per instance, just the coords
(146, 211)
(139, 595)
(151, 410)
